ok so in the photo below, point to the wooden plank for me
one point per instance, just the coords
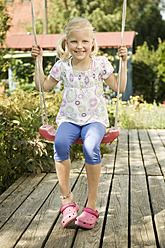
(76, 166)
(14, 200)
(142, 233)
(158, 147)
(12, 188)
(17, 224)
(116, 229)
(108, 161)
(91, 238)
(63, 237)
(150, 161)
(121, 164)
(157, 191)
(161, 133)
(135, 158)
(43, 222)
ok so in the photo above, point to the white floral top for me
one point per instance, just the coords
(83, 96)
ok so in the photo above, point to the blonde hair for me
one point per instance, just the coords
(75, 24)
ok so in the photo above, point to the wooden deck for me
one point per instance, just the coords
(131, 201)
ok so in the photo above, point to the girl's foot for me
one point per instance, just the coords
(87, 218)
(91, 204)
(69, 212)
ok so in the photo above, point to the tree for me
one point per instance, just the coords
(161, 71)
(149, 72)
(105, 15)
(145, 72)
(4, 27)
(59, 13)
(150, 27)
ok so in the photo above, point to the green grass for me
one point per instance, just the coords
(145, 116)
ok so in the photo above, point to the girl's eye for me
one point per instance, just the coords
(85, 41)
(73, 41)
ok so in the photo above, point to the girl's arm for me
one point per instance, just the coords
(48, 82)
(112, 80)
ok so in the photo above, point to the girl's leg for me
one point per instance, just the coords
(92, 135)
(93, 175)
(63, 171)
(66, 134)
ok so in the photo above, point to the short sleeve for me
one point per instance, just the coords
(106, 68)
(55, 72)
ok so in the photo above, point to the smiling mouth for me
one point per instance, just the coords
(79, 51)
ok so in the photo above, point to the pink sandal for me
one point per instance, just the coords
(87, 218)
(69, 212)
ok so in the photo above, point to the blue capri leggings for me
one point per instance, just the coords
(91, 134)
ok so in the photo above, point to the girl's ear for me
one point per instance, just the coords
(66, 43)
(93, 41)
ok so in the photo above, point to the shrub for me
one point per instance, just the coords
(149, 72)
(161, 70)
(22, 148)
(145, 72)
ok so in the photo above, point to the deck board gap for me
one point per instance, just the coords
(21, 203)
(11, 192)
(36, 214)
(152, 214)
(149, 196)
(108, 199)
(77, 229)
(129, 194)
(155, 153)
(54, 223)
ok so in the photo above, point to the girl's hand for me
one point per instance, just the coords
(36, 51)
(122, 51)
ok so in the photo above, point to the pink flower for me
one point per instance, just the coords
(71, 77)
(86, 80)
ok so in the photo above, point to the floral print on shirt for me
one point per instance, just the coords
(83, 96)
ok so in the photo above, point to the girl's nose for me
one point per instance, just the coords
(79, 45)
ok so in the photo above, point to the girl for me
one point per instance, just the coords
(82, 112)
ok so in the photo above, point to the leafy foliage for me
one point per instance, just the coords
(4, 27)
(4, 21)
(161, 70)
(149, 72)
(22, 149)
(23, 71)
(106, 16)
(161, 60)
(150, 26)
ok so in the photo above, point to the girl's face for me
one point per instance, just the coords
(80, 44)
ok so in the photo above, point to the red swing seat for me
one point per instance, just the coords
(48, 132)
